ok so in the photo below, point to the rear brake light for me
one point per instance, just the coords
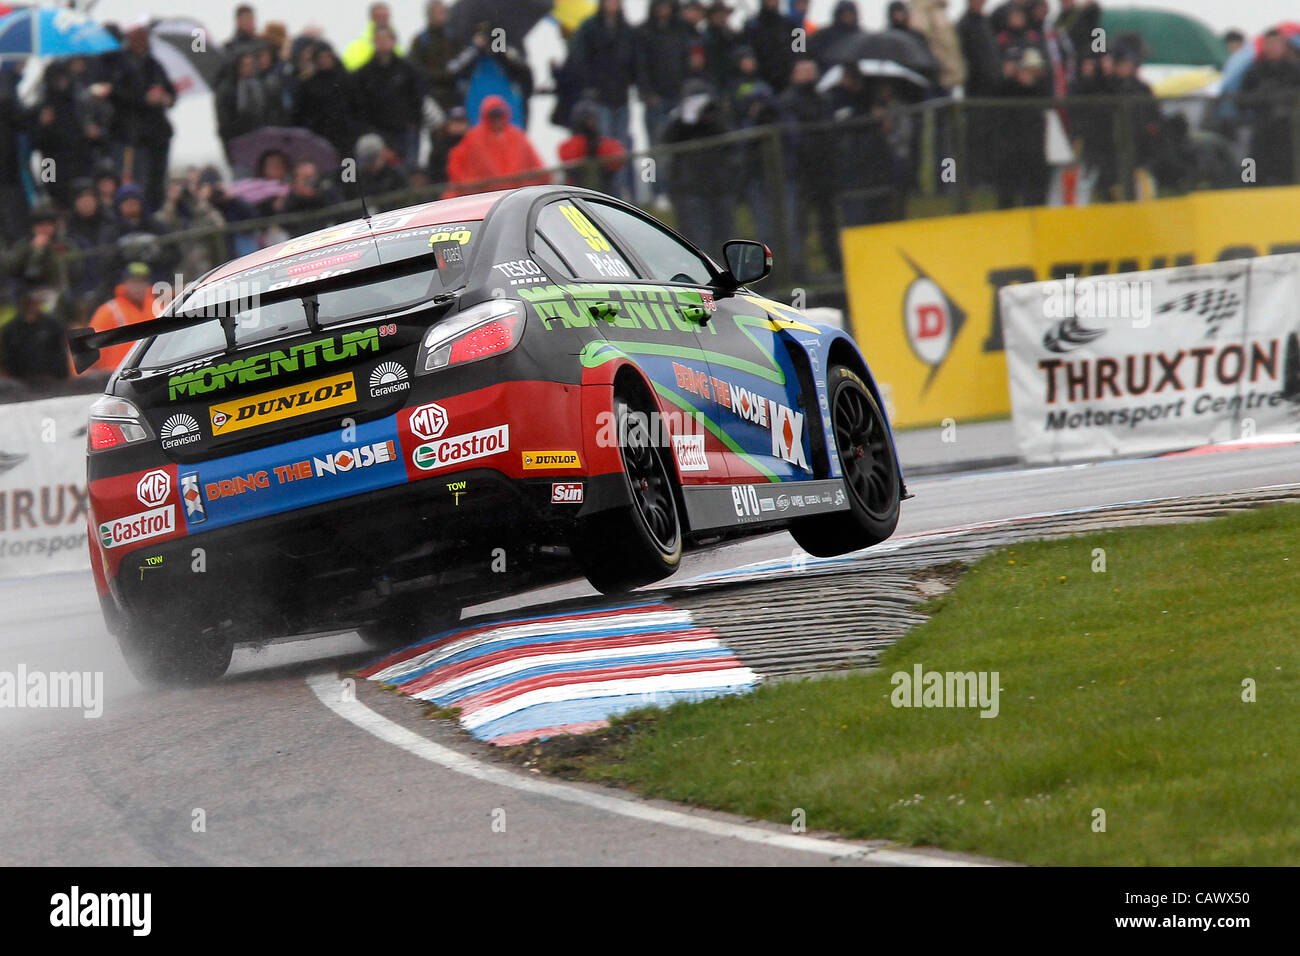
(488, 329)
(114, 422)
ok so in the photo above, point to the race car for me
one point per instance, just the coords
(378, 424)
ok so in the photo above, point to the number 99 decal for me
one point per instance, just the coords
(585, 228)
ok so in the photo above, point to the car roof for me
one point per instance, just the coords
(460, 209)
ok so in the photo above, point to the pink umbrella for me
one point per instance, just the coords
(257, 190)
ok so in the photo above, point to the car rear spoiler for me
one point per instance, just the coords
(85, 344)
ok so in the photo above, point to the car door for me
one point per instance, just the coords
(753, 392)
(656, 324)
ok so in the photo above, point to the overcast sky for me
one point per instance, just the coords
(342, 21)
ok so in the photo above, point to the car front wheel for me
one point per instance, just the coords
(869, 463)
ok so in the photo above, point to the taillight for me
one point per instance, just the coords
(484, 330)
(115, 422)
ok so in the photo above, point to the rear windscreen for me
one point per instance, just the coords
(305, 267)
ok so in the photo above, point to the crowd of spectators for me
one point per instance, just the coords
(391, 111)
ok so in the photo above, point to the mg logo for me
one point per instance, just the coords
(154, 488)
(429, 421)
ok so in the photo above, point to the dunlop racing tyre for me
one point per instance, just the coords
(870, 466)
(624, 548)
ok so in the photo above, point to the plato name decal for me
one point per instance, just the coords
(458, 449)
(283, 403)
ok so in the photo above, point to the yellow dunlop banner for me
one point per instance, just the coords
(240, 413)
(923, 295)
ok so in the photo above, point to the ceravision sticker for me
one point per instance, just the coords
(388, 378)
(180, 430)
(551, 459)
(283, 403)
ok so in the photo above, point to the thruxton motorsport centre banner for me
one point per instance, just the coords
(923, 294)
(1154, 361)
(43, 486)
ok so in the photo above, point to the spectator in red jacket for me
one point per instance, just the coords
(587, 142)
(493, 149)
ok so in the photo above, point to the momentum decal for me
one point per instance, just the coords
(256, 368)
(285, 403)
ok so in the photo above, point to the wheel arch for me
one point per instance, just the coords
(632, 376)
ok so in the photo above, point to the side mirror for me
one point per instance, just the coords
(747, 261)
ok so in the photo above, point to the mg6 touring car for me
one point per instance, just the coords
(378, 424)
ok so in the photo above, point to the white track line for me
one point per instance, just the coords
(328, 688)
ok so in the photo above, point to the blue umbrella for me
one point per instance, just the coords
(51, 32)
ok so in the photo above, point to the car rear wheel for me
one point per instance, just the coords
(870, 466)
(168, 656)
(624, 548)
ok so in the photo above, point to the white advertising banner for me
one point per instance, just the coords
(43, 486)
(1155, 361)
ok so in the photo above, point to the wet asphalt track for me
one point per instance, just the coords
(282, 778)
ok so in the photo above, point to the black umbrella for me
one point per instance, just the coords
(515, 17)
(893, 45)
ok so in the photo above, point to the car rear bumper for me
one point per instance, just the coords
(469, 536)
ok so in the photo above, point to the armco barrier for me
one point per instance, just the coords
(43, 486)
(923, 295)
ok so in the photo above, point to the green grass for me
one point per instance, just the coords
(1121, 690)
